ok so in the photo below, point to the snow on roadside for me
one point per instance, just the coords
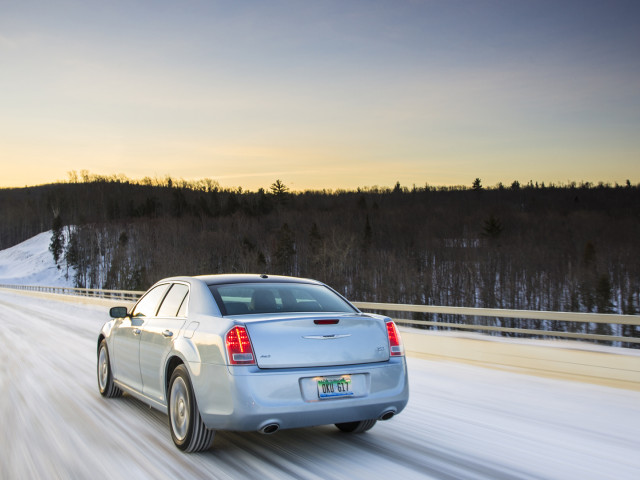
(31, 263)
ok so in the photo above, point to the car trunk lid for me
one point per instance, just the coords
(316, 341)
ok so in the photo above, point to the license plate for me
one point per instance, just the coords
(329, 387)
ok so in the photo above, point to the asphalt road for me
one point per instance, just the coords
(462, 421)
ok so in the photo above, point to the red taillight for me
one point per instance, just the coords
(326, 322)
(395, 342)
(239, 347)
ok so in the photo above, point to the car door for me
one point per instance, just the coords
(126, 338)
(156, 339)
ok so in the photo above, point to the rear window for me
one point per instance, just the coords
(249, 298)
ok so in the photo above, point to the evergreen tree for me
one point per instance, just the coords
(603, 295)
(492, 227)
(279, 190)
(71, 254)
(315, 239)
(368, 235)
(316, 253)
(232, 204)
(261, 262)
(57, 239)
(285, 251)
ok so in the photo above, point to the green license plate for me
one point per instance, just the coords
(329, 387)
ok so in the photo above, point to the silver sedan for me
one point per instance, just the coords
(252, 353)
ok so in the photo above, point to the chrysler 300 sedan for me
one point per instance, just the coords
(252, 353)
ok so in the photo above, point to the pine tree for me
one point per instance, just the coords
(279, 190)
(57, 239)
(285, 251)
(492, 227)
(315, 238)
(368, 235)
(603, 294)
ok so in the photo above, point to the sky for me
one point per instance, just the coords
(321, 94)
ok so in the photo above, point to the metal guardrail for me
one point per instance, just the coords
(568, 317)
(125, 295)
(572, 317)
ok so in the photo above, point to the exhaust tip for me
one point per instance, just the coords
(387, 415)
(269, 428)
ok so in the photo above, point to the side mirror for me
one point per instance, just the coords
(118, 312)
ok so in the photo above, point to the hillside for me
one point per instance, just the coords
(564, 248)
(31, 263)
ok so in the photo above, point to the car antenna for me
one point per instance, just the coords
(264, 275)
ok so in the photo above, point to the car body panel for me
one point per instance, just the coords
(125, 351)
(156, 344)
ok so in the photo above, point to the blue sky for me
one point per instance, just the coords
(321, 94)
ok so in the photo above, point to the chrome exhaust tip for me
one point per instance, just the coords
(387, 415)
(269, 428)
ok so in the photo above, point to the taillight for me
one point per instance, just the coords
(239, 347)
(395, 342)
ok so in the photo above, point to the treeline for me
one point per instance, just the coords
(573, 247)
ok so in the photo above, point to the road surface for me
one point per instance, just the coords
(462, 421)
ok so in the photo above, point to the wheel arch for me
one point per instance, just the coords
(105, 333)
(172, 363)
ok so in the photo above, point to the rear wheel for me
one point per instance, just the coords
(356, 427)
(188, 431)
(105, 378)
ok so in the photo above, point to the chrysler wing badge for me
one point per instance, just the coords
(326, 337)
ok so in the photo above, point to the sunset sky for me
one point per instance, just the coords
(321, 94)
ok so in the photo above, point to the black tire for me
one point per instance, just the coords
(106, 386)
(356, 427)
(188, 431)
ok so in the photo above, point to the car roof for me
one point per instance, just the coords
(252, 278)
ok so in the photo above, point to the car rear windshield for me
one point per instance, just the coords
(250, 298)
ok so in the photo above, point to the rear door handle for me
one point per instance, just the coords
(167, 333)
(136, 331)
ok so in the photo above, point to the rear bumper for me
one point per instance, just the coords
(246, 398)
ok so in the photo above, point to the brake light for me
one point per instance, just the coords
(396, 349)
(239, 348)
(326, 322)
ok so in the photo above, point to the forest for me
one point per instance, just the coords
(572, 247)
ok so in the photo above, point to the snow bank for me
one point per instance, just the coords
(31, 263)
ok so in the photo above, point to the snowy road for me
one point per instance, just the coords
(461, 422)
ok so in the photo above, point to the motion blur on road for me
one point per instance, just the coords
(462, 421)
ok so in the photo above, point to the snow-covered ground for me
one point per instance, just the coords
(462, 421)
(31, 263)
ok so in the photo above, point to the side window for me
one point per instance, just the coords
(148, 305)
(183, 308)
(174, 300)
